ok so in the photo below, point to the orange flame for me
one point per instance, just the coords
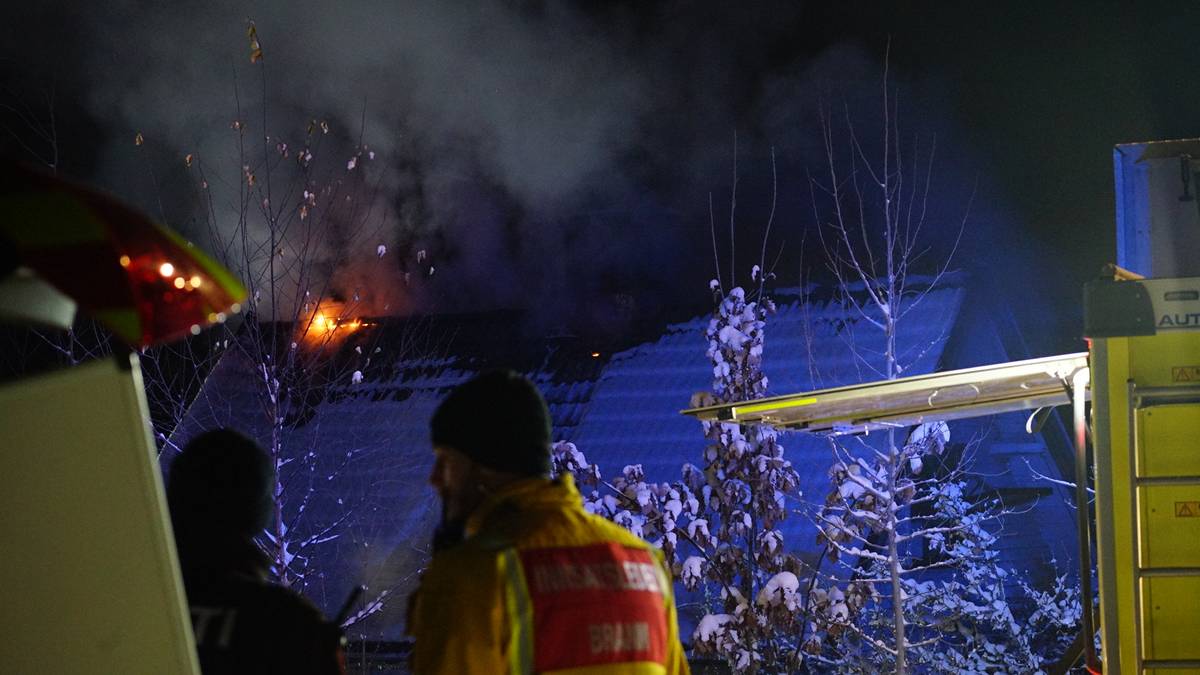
(328, 322)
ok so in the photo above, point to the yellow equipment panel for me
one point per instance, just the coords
(1169, 605)
(1172, 432)
(1170, 526)
(1146, 422)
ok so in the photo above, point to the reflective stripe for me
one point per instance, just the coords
(665, 583)
(520, 616)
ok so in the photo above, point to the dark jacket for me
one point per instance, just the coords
(243, 624)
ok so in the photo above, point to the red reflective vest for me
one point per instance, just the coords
(542, 586)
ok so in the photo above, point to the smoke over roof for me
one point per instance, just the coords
(548, 155)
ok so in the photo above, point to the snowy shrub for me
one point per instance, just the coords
(741, 495)
(723, 518)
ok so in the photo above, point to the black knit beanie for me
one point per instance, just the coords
(498, 419)
(220, 487)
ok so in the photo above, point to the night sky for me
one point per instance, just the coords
(560, 157)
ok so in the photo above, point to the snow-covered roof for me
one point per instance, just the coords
(619, 410)
(633, 416)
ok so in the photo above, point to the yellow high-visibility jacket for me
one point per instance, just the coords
(541, 586)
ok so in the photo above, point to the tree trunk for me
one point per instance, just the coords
(894, 559)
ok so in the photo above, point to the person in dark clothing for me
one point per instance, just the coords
(219, 495)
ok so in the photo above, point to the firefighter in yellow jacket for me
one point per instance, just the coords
(523, 580)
